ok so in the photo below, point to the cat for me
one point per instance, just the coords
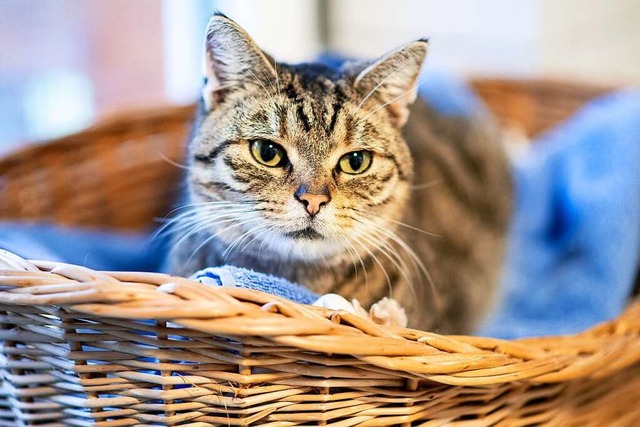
(341, 180)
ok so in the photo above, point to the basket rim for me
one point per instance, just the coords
(246, 314)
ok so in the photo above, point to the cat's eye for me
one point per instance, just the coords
(355, 162)
(267, 153)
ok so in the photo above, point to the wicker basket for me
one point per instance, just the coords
(196, 356)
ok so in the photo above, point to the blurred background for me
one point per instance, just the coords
(66, 63)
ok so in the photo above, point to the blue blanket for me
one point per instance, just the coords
(574, 244)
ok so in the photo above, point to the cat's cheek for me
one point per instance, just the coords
(371, 190)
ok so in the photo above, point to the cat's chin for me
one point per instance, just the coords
(305, 234)
(303, 245)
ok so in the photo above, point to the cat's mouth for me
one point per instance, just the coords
(306, 233)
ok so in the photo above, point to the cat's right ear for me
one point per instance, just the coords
(231, 60)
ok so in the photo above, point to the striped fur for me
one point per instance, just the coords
(430, 236)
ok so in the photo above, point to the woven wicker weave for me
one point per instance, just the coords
(198, 356)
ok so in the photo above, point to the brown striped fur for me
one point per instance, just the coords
(437, 194)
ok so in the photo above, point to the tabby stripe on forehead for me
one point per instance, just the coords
(282, 121)
(304, 120)
(214, 153)
(334, 117)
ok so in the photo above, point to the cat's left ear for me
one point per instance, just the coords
(392, 81)
(232, 60)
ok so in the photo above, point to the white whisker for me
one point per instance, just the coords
(377, 261)
(426, 185)
(410, 252)
(400, 223)
(393, 100)
(266, 229)
(202, 226)
(217, 233)
(216, 203)
(238, 240)
(275, 65)
(194, 216)
(364, 268)
(173, 163)
(261, 84)
(392, 254)
(380, 84)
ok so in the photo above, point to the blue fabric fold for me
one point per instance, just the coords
(96, 249)
(228, 275)
(574, 244)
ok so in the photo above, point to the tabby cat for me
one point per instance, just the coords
(323, 176)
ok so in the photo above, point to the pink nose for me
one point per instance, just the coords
(313, 202)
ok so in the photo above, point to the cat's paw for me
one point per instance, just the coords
(359, 310)
(335, 302)
(388, 312)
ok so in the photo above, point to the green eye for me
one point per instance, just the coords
(268, 153)
(355, 163)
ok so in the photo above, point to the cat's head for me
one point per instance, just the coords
(300, 161)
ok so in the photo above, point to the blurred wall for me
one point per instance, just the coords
(591, 40)
(467, 36)
(290, 30)
(125, 53)
(63, 62)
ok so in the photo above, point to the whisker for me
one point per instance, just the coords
(207, 210)
(203, 218)
(389, 252)
(426, 185)
(261, 84)
(285, 259)
(275, 65)
(364, 268)
(173, 163)
(214, 203)
(238, 240)
(380, 84)
(216, 234)
(263, 242)
(194, 216)
(411, 253)
(201, 226)
(393, 100)
(352, 255)
(411, 227)
(264, 231)
(395, 258)
(377, 261)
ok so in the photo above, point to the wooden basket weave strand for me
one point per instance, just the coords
(198, 356)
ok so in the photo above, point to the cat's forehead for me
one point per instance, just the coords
(311, 77)
(320, 85)
(313, 107)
